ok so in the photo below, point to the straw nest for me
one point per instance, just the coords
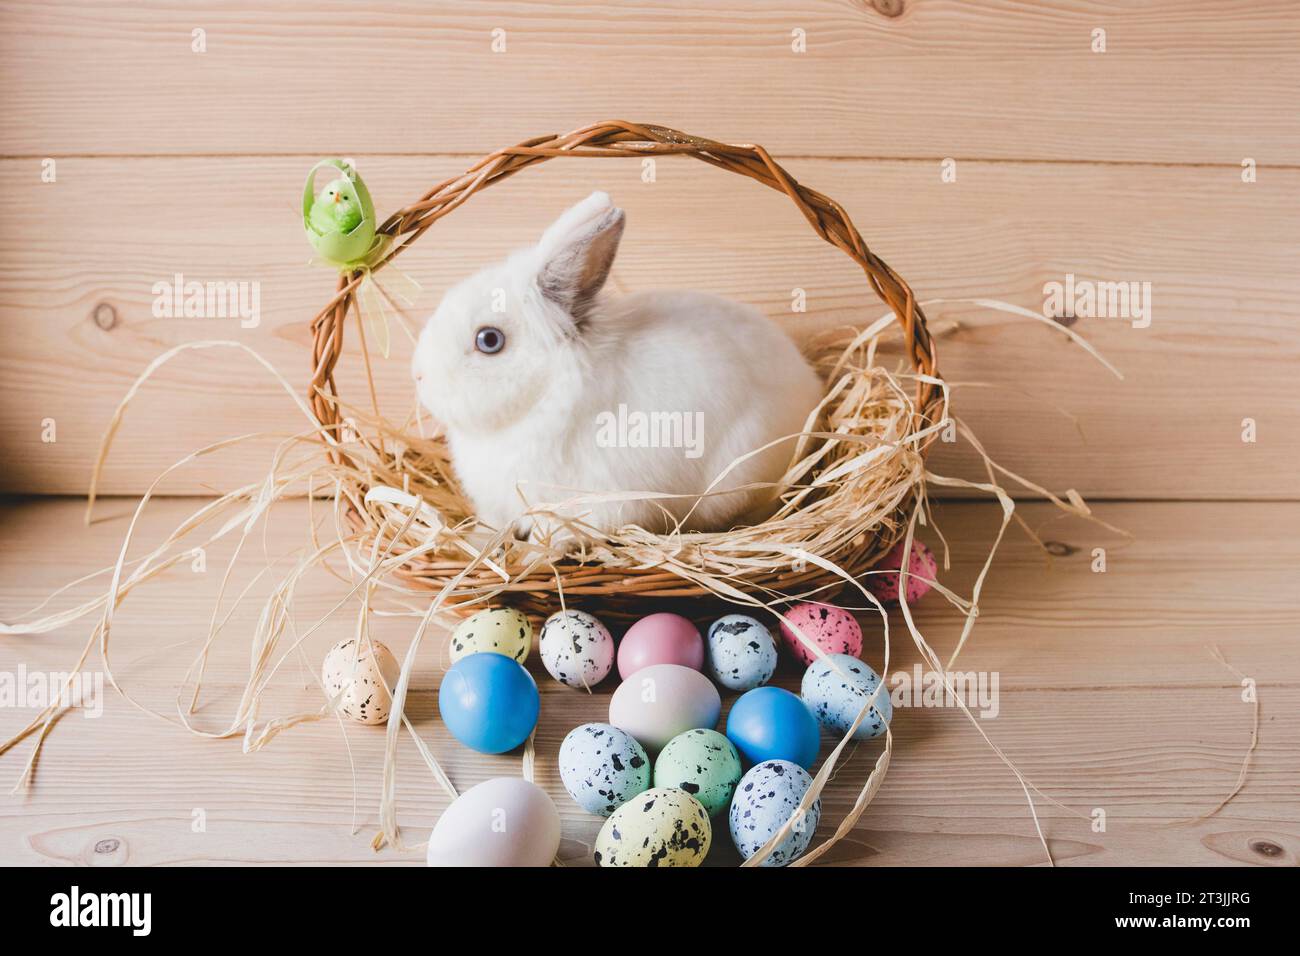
(857, 468)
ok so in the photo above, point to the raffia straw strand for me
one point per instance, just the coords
(1240, 783)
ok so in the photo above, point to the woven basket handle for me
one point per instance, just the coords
(619, 138)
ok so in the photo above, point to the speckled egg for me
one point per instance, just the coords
(832, 629)
(765, 799)
(921, 570)
(497, 630)
(363, 672)
(603, 767)
(576, 648)
(506, 821)
(659, 702)
(836, 688)
(661, 827)
(703, 763)
(740, 652)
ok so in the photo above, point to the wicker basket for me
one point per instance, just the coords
(625, 591)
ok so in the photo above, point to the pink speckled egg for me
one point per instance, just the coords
(660, 639)
(922, 566)
(832, 629)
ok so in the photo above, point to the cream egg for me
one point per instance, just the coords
(363, 673)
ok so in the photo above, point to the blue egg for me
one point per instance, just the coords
(489, 702)
(769, 723)
(741, 652)
(837, 687)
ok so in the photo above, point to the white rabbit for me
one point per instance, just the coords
(531, 372)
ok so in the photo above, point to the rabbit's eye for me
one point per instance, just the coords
(489, 340)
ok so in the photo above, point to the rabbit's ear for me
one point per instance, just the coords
(577, 252)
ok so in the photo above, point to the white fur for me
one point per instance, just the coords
(523, 423)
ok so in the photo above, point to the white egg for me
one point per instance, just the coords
(659, 702)
(362, 672)
(506, 821)
(576, 648)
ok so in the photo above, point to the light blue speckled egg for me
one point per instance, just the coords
(741, 652)
(765, 798)
(603, 767)
(836, 687)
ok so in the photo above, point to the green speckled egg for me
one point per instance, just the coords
(704, 763)
(498, 630)
(661, 827)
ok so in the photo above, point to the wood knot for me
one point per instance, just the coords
(1266, 848)
(1066, 320)
(888, 8)
(105, 316)
(1059, 549)
(111, 845)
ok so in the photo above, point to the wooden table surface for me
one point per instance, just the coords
(1109, 697)
(984, 148)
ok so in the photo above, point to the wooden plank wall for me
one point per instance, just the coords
(1117, 166)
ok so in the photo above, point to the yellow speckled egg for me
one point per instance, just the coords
(362, 671)
(498, 630)
(663, 826)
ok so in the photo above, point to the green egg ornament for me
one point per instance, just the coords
(336, 209)
(704, 763)
(498, 630)
(340, 221)
(340, 224)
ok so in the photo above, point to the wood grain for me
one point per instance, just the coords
(1193, 81)
(1109, 698)
(1219, 254)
